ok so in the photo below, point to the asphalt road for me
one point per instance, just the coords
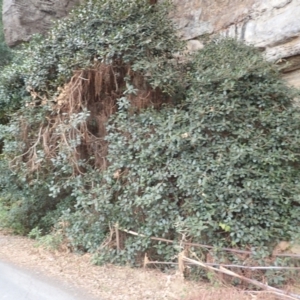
(18, 284)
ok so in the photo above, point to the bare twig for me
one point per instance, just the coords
(229, 266)
(252, 281)
(117, 236)
(272, 292)
(255, 268)
(203, 246)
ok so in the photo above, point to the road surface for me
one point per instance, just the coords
(17, 284)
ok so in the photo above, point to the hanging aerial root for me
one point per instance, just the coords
(76, 125)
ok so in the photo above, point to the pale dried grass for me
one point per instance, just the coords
(232, 294)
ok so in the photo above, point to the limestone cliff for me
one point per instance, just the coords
(271, 25)
(22, 18)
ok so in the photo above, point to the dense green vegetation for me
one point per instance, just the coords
(5, 53)
(107, 129)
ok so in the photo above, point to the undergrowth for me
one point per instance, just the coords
(110, 135)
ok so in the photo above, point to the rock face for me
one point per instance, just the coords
(22, 18)
(271, 25)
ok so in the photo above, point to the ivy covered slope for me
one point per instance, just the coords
(107, 130)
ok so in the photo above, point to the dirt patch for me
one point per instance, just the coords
(112, 282)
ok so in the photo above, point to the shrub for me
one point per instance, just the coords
(242, 148)
(60, 91)
(5, 53)
(107, 128)
(221, 168)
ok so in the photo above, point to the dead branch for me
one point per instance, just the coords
(228, 266)
(202, 245)
(251, 281)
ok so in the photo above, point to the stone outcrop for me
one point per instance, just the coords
(271, 25)
(22, 18)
